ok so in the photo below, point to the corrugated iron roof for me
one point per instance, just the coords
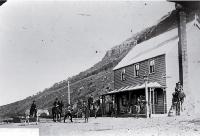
(153, 47)
(136, 87)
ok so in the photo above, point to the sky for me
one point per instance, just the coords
(44, 42)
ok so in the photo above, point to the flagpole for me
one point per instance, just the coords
(68, 93)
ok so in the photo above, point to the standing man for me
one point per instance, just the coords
(178, 98)
(90, 104)
(55, 110)
(86, 111)
(33, 109)
(137, 106)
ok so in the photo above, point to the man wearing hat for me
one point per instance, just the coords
(33, 109)
(56, 104)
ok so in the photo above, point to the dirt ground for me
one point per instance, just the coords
(108, 126)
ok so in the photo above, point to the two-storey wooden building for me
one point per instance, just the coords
(157, 58)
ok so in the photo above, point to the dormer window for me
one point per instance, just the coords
(136, 70)
(123, 74)
(151, 66)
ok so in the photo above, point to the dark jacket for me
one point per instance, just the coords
(33, 106)
(56, 104)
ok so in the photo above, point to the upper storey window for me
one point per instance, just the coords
(136, 70)
(123, 74)
(152, 66)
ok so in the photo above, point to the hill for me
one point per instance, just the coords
(97, 79)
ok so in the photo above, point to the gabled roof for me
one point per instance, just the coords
(153, 47)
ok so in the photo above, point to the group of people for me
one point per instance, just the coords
(69, 111)
(57, 111)
(140, 105)
(58, 104)
(178, 98)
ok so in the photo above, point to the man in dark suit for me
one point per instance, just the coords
(33, 109)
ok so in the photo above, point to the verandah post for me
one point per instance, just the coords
(150, 109)
(129, 101)
(146, 95)
(153, 107)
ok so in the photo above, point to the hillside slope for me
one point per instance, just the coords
(97, 79)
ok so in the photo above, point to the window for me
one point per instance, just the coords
(136, 70)
(151, 66)
(123, 76)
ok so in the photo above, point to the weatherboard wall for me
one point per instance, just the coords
(130, 79)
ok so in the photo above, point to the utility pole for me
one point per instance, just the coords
(68, 93)
(182, 7)
(182, 47)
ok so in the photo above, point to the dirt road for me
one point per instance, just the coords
(107, 126)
